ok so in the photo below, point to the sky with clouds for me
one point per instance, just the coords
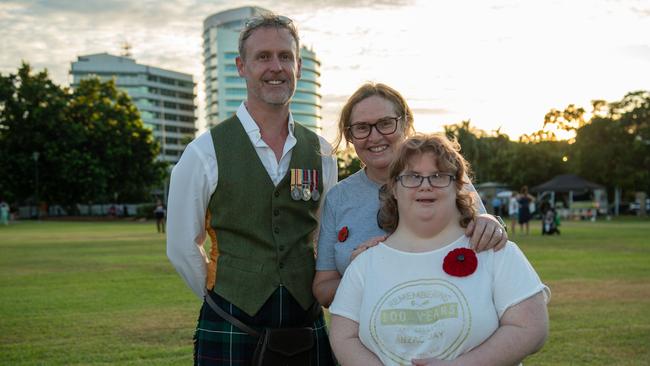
(500, 63)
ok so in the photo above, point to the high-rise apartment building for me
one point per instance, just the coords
(225, 89)
(164, 98)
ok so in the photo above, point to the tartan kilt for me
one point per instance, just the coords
(217, 342)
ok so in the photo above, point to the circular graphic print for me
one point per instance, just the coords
(426, 318)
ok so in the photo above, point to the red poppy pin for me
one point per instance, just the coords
(343, 234)
(460, 262)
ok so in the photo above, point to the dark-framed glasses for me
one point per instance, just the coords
(385, 126)
(437, 180)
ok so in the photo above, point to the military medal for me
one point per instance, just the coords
(296, 193)
(314, 193)
(306, 193)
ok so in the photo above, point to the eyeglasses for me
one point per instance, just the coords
(384, 126)
(438, 180)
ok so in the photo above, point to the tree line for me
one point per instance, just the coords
(73, 146)
(89, 145)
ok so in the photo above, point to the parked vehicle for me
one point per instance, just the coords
(636, 206)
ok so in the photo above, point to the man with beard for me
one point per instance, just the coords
(252, 184)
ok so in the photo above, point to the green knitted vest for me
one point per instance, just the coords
(265, 238)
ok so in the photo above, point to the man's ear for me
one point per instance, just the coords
(299, 71)
(240, 65)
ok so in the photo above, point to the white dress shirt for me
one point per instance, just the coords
(194, 179)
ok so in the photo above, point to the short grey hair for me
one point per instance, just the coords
(268, 19)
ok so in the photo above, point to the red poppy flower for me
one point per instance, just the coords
(460, 262)
(343, 234)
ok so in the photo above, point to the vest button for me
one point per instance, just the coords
(276, 230)
(276, 212)
(277, 194)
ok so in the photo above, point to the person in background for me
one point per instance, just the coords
(423, 296)
(496, 205)
(159, 213)
(550, 219)
(525, 201)
(253, 185)
(112, 211)
(513, 212)
(4, 212)
(375, 120)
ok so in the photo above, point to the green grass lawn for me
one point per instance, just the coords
(91, 294)
(105, 294)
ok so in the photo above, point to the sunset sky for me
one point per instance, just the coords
(501, 63)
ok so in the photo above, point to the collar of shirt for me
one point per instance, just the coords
(253, 130)
(276, 169)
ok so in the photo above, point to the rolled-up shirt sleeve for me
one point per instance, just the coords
(330, 177)
(192, 183)
(330, 169)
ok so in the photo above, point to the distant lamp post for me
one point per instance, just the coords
(35, 156)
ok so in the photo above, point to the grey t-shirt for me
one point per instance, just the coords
(353, 202)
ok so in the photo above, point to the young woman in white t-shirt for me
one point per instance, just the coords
(422, 296)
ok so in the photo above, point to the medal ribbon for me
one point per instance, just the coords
(305, 177)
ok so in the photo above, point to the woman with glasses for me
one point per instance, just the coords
(423, 296)
(375, 120)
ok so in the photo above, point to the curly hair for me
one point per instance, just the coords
(367, 90)
(448, 159)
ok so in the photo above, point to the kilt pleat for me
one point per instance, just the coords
(217, 342)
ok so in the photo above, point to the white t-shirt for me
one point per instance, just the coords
(513, 206)
(408, 307)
